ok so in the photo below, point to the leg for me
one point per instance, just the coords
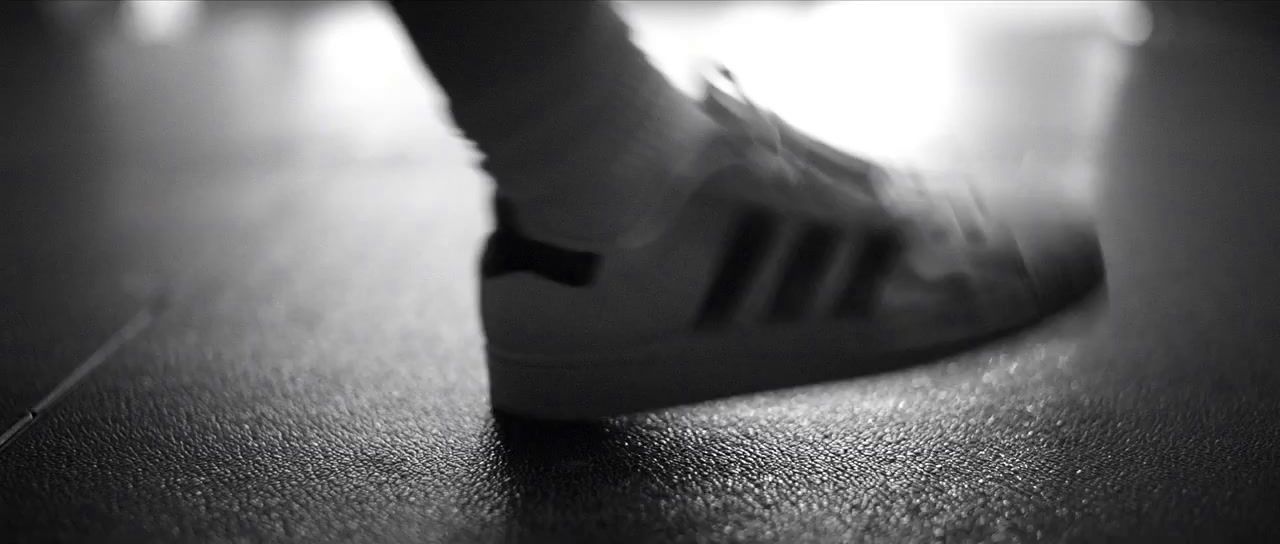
(581, 134)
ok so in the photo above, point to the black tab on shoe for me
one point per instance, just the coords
(509, 251)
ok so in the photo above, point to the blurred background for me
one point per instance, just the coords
(237, 245)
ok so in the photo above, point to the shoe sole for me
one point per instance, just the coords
(717, 364)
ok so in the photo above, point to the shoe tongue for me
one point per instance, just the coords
(722, 101)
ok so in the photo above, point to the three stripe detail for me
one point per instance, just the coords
(782, 272)
(773, 269)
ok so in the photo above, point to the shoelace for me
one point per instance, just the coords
(784, 154)
(934, 211)
(924, 209)
(765, 130)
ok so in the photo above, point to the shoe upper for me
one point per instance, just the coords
(788, 230)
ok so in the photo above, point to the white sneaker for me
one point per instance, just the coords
(792, 263)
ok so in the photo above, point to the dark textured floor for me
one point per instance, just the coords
(273, 218)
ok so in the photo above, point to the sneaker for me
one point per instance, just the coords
(792, 263)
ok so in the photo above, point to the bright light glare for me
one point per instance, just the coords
(152, 21)
(1131, 23)
(894, 80)
(362, 82)
(875, 77)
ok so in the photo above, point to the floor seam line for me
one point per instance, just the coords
(131, 329)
